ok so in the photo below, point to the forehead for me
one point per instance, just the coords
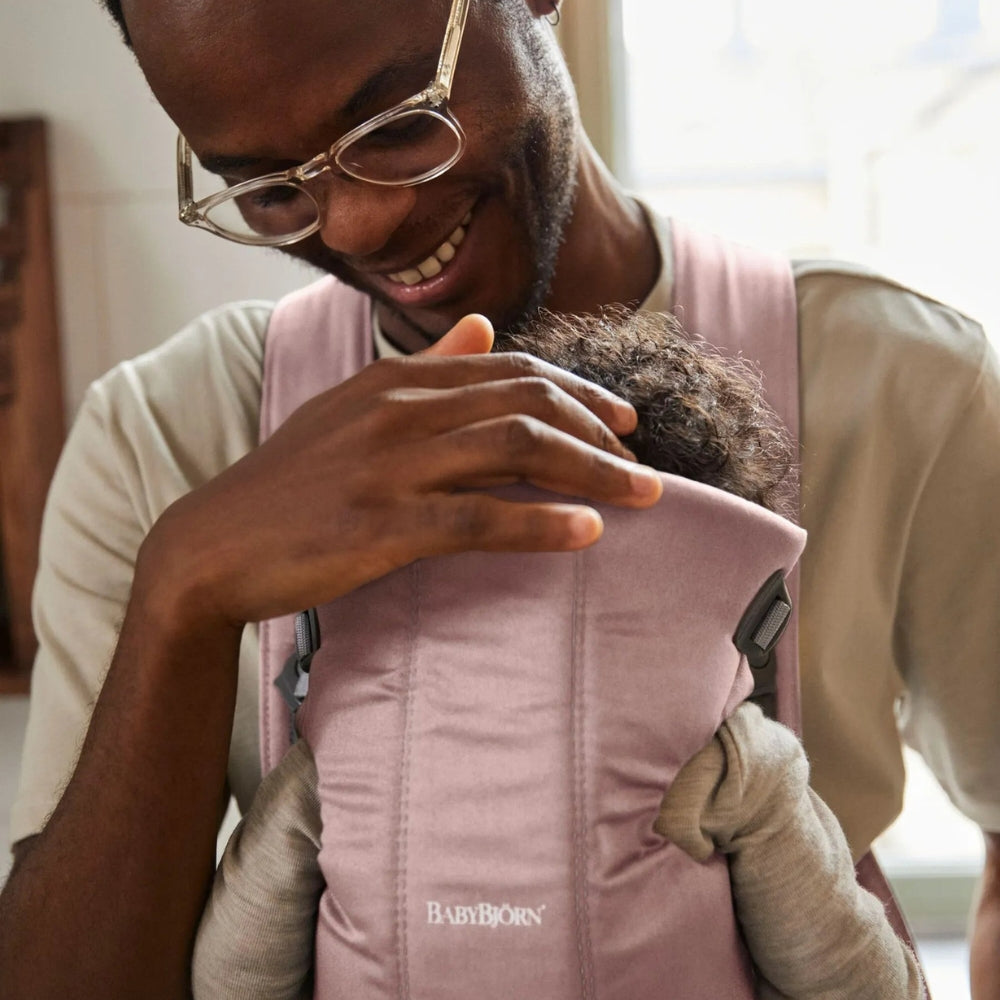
(221, 67)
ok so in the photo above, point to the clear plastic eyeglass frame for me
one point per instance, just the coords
(432, 100)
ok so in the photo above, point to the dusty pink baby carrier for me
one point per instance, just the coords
(494, 733)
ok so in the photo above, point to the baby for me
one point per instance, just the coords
(810, 930)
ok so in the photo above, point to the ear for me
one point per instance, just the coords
(544, 8)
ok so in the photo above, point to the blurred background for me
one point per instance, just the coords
(865, 129)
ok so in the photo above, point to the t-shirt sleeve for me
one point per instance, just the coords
(947, 625)
(90, 536)
(136, 446)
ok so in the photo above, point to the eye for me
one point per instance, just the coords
(272, 197)
(276, 197)
(400, 131)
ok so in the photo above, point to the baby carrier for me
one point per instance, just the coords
(493, 733)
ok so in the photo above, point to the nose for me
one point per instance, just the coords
(357, 218)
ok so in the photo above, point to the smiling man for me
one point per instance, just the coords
(523, 197)
(169, 534)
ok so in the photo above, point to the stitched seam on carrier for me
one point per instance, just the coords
(581, 865)
(264, 430)
(402, 944)
(265, 695)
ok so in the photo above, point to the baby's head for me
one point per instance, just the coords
(701, 415)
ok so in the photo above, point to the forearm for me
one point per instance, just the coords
(106, 900)
(984, 944)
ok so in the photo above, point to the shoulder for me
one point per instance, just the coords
(880, 360)
(222, 351)
(852, 312)
(166, 422)
(198, 393)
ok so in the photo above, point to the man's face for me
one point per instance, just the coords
(266, 85)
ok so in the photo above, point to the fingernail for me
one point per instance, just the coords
(585, 526)
(646, 482)
(627, 415)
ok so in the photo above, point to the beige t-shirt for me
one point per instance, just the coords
(900, 580)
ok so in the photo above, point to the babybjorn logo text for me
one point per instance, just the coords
(484, 915)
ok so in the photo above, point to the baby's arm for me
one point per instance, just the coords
(812, 931)
(257, 933)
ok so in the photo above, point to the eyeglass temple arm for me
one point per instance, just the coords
(184, 184)
(452, 43)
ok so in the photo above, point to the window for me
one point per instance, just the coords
(865, 130)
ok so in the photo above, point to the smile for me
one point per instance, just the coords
(437, 261)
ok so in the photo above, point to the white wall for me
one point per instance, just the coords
(129, 273)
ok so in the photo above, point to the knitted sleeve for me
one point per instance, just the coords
(256, 937)
(812, 931)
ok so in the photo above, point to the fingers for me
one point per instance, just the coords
(424, 413)
(473, 334)
(440, 372)
(519, 447)
(474, 522)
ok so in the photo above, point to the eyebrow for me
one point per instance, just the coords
(371, 92)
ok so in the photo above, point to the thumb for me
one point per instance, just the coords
(472, 334)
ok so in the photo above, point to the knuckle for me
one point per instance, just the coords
(522, 435)
(524, 365)
(470, 519)
(606, 439)
(387, 371)
(394, 399)
(387, 409)
(545, 395)
(609, 470)
(591, 394)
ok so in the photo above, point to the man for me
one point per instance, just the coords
(900, 412)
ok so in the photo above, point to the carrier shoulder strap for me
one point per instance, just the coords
(318, 337)
(743, 301)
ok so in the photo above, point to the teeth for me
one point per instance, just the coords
(430, 267)
(434, 264)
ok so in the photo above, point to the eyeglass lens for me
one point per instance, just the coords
(412, 146)
(405, 149)
(277, 210)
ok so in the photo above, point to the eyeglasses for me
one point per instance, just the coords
(413, 142)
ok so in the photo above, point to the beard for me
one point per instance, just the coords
(549, 158)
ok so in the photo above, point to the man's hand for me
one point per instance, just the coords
(984, 943)
(363, 479)
(382, 470)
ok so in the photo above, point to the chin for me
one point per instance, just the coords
(510, 310)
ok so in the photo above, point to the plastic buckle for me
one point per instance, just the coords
(293, 681)
(758, 632)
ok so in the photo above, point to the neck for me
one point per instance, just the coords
(610, 254)
(401, 333)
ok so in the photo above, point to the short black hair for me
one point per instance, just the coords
(114, 8)
(701, 415)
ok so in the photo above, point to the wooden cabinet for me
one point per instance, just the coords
(32, 419)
